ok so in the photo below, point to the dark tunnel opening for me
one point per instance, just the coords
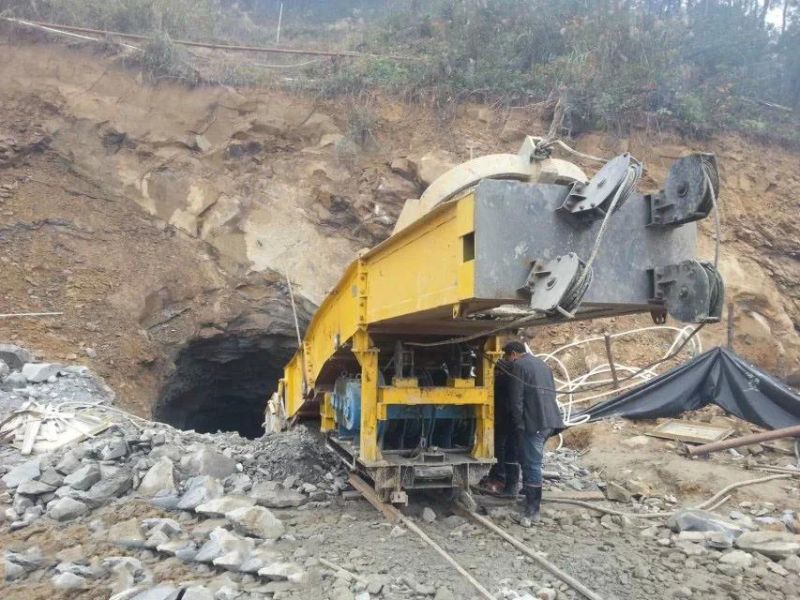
(223, 383)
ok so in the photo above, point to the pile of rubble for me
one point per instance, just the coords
(217, 484)
(23, 379)
(220, 487)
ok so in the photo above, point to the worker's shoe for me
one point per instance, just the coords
(511, 488)
(533, 502)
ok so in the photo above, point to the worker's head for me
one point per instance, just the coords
(513, 350)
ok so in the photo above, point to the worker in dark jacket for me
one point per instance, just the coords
(503, 478)
(536, 417)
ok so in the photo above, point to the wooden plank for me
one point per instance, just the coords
(692, 433)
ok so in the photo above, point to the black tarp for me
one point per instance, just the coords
(719, 376)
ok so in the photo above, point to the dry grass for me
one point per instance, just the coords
(578, 438)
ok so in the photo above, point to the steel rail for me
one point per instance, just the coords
(395, 516)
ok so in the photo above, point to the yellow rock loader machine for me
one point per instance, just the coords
(398, 359)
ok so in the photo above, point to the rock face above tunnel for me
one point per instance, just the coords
(223, 378)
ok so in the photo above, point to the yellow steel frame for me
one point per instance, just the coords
(423, 267)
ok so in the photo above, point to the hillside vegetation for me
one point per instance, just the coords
(695, 65)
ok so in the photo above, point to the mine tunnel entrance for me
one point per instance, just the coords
(222, 383)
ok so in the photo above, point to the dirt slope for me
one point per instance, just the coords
(152, 215)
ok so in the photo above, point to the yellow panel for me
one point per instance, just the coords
(420, 268)
(333, 324)
(465, 210)
(429, 395)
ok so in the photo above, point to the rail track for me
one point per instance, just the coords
(394, 515)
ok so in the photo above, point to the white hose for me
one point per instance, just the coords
(573, 385)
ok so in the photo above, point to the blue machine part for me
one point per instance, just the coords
(435, 422)
(346, 402)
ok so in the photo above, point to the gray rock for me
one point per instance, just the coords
(218, 507)
(68, 581)
(168, 526)
(256, 521)
(699, 520)
(184, 549)
(792, 564)
(161, 476)
(737, 558)
(15, 381)
(52, 477)
(272, 497)
(69, 463)
(773, 544)
(444, 593)
(718, 540)
(111, 487)
(282, 571)
(617, 493)
(25, 472)
(5, 370)
(229, 591)
(160, 592)
(34, 488)
(127, 534)
(21, 504)
(200, 490)
(39, 372)
(166, 500)
(83, 478)
(14, 356)
(258, 558)
(231, 560)
(28, 561)
(546, 594)
(428, 515)
(221, 542)
(197, 592)
(207, 461)
(65, 509)
(13, 570)
(116, 448)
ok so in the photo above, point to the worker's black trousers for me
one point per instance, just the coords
(505, 451)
